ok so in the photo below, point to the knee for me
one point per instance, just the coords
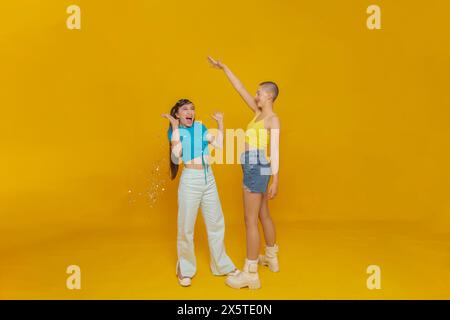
(251, 221)
(215, 230)
(186, 235)
(265, 217)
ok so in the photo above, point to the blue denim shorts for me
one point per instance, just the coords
(256, 170)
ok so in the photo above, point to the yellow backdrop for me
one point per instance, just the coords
(364, 151)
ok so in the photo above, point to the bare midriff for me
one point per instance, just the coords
(196, 163)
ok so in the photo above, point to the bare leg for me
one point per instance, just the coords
(249, 276)
(266, 222)
(252, 205)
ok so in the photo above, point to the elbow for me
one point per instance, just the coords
(176, 153)
(217, 146)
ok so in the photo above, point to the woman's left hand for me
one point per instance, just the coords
(273, 190)
(218, 116)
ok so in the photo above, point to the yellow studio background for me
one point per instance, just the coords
(365, 144)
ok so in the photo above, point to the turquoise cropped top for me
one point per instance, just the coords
(193, 141)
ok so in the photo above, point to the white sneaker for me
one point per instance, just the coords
(270, 259)
(185, 282)
(246, 278)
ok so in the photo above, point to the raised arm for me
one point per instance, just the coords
(217, 140)
(237, 84)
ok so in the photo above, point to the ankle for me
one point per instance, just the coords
(251, 266)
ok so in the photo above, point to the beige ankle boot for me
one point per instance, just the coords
(270, 259)
(246, 278)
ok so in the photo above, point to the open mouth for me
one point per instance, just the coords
(189, 120)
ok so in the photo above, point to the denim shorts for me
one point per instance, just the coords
(256, 170)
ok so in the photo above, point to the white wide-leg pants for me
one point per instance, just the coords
(195, 192)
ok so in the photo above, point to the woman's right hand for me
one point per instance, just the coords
(173, 122)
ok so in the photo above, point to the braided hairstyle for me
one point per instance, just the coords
(173, 112)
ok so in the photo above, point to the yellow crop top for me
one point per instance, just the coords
(256, 135)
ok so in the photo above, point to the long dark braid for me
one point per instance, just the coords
(173, 112)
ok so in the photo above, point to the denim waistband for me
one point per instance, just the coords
(257, 151)
(254, 156)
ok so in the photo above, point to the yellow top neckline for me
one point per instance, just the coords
(262, 118)
(257, 135)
